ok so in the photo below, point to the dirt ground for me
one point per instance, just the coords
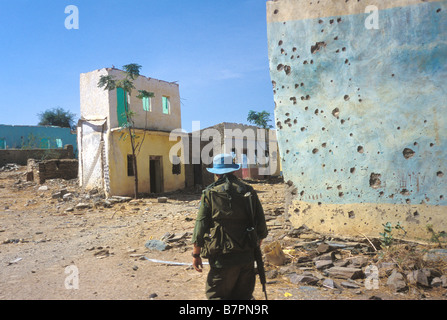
(43, 245)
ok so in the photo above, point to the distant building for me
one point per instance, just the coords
(105, 155)
(258, 155)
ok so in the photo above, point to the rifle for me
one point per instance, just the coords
(258, 254)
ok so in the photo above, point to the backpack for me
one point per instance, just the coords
(230, 230)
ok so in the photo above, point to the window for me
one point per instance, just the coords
(176, 167)
(130, 172)
(166, 105)
(147, 106)
(58, 143)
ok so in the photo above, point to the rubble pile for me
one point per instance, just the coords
(358, 265)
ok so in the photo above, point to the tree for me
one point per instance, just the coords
(131, 72)
(260, 119)
(57, 117)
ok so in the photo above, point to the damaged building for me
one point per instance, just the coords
(360, 109)
(105, 155)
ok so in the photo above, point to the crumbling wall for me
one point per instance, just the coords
(21, 156)
(360, 110)
(40, 171)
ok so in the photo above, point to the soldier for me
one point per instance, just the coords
(230, 225)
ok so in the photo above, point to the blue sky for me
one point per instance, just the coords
(215, 49)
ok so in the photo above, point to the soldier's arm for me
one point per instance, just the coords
(261, 225)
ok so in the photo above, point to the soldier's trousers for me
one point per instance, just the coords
(231, 283)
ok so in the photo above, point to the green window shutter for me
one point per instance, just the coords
(146, 104)
(165, 101)
(121, 99)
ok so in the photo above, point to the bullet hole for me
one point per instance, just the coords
(360, 149)
(337, 51)
(315, 150)
(320, 21)
(297, 85)
(323, 128)
(303, 128)
(331, 21)
(305, 62)
(278, 123)
(352, 170)
(439, 10)
(287, 151)
(273, 83)
(322, 221)
(381, 193)
(302, 193)
(324, 145)
(374, 180)
(346, 61)
(280, 43)
(306, 108)
(339, 20)
(408, 201)
(295, 121)
(317, 46)
(287, 69)
(351, 214)
(294, 49)
(441, 197)
(408, 153)
(288, 114)
(440, 174)
(302, 84)
(341, 194)
(360, 100)
(405, 192)
(342, 121)
(290, 183)
(343, 49)
(276, 11)
(282, 51)
(339, 187)
(392, 74)
(336, 38)
(293, 99)
(350, 134)
(432, 144)
(311, 62)
(280, 67)
(346, 97)
(316, 111)
(415, 143)
(336, 112)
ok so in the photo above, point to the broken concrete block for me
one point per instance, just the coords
(396, 281)
(156, 245)
(82, 205)
(435, 255)
(345, 273)
(436, 282)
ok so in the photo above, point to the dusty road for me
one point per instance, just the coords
(45, 241)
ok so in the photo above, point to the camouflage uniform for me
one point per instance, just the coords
(221, 232)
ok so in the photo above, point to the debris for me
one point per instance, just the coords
(345, 272)
(43, 188)
(156, 245)
(274, 254)
(14, 261)
(305, 278)
(162, 199)
(83, 205)
(396, 281)
(436, 255)
(172, 263)
(417, 277)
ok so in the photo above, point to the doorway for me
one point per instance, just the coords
(156, 174)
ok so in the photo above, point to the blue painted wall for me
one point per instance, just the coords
(39, 137)
(362, 114)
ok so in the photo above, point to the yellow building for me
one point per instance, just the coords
(105, 153)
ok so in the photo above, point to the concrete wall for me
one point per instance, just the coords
(156, 144)
(97, 103)
(36, 137)
(361, 112)
(40, 171)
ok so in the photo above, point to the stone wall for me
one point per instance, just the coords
(21, 156)
(40, 171)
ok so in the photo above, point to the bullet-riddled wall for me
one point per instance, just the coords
(361, 103)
